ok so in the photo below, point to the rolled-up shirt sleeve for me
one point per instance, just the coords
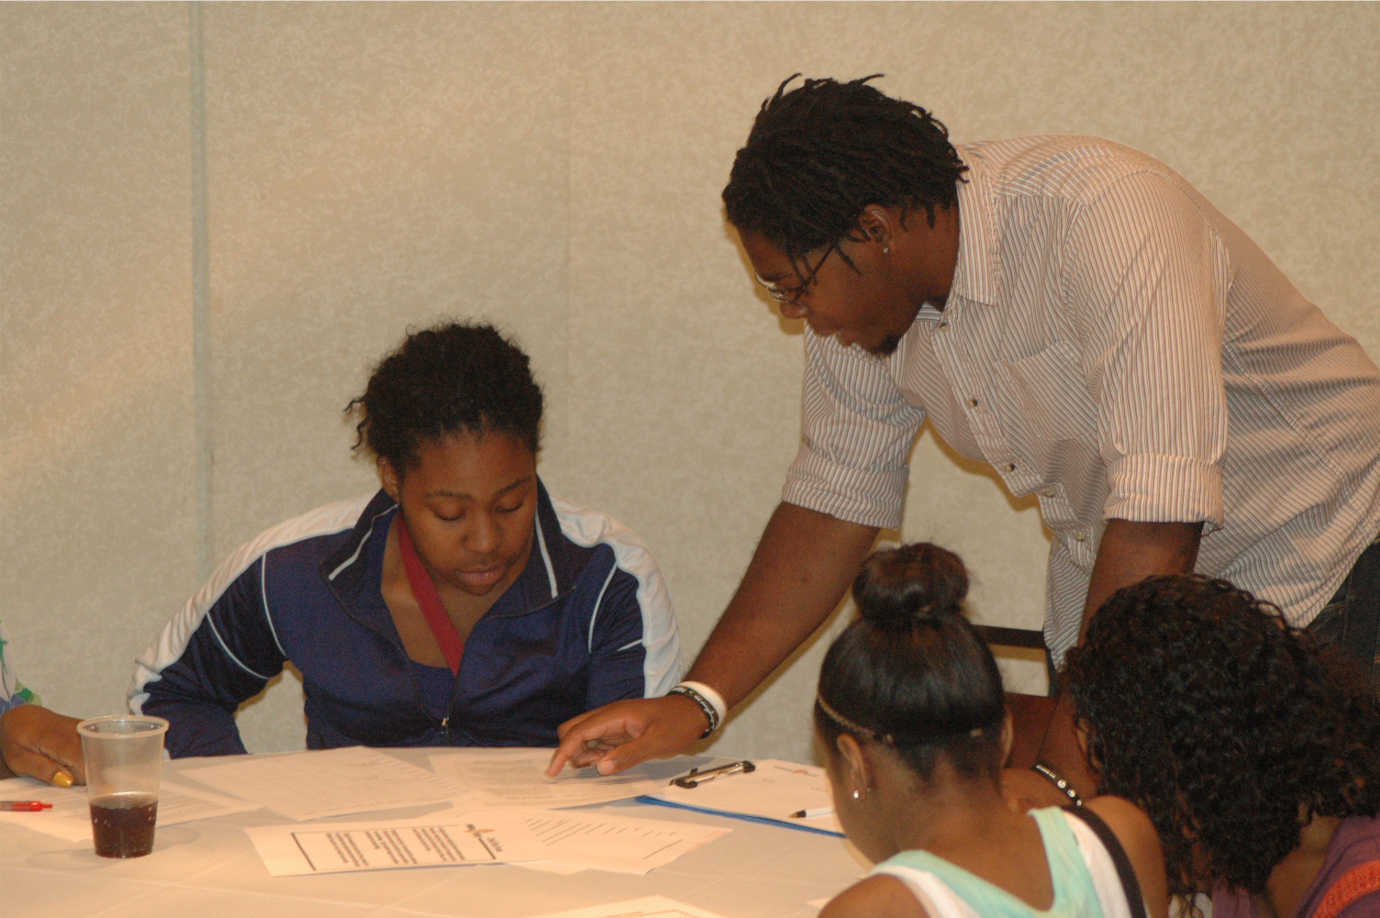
(1146, 278)
(857, 430)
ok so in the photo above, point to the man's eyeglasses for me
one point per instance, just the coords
(792, 296)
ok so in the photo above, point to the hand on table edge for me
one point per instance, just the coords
(620, 735)
(43, 744)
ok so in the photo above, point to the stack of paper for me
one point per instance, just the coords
(328, 782)
(498, 806)
(517, 777)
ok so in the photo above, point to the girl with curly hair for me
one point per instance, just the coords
(912, 719)
(1254, 754)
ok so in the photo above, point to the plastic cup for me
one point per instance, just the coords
(124, 760)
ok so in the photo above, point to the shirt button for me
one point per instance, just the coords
(972, 403)
(943, 324)
(1048, 492)
(1010, 466)
(1079, 537)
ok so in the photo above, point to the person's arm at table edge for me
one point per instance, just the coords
(207, 660)
(800, 569)
(1128, 553)
(40, 743)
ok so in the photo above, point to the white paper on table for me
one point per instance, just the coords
(773, 790)
(622, 844)
(646, 907)
(447, 839)
(516, 776)
(70, 817)
(326, 782)
(509, 834)
(559, 868)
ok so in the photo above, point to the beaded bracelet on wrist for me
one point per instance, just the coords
(710, 713)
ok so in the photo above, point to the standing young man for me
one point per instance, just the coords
(1073, 313)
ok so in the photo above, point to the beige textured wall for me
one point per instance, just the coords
(214, 218)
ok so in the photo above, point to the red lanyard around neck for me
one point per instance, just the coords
(424, 591)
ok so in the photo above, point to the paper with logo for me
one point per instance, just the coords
(447, 840)
(579, 840)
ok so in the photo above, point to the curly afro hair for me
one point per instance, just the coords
(820, 153)
(1231, 728)
(451, 378)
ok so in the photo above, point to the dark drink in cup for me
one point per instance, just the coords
(124, 756)
(122, 824)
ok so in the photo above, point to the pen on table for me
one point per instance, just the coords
(23, 806)
(812, 813)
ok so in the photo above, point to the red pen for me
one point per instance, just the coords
(24, 806)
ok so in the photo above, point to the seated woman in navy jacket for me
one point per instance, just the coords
(459, 605)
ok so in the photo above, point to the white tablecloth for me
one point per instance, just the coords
(209, 868)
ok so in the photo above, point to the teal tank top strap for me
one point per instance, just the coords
(981, 896)
(1073, 883)
(1074, 894)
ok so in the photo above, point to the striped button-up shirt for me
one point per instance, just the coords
(1115, 346)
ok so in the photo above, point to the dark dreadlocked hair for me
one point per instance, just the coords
(1229, 727)
(911, 672)
(451, 378)
(820, 153)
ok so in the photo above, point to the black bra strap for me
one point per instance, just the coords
(1129, 885)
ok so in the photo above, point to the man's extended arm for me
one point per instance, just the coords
(801, 568)
(802, 565)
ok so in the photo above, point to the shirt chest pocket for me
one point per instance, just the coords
(1042, 405)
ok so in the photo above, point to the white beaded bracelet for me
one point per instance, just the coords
(711, 695)
(709, 701)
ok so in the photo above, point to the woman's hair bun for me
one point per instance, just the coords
(920, 582)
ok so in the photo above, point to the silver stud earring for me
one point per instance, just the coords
(886, 250)
(857, 794)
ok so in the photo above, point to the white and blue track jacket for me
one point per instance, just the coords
(587, 622)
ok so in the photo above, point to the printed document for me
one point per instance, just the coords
(488, 836)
